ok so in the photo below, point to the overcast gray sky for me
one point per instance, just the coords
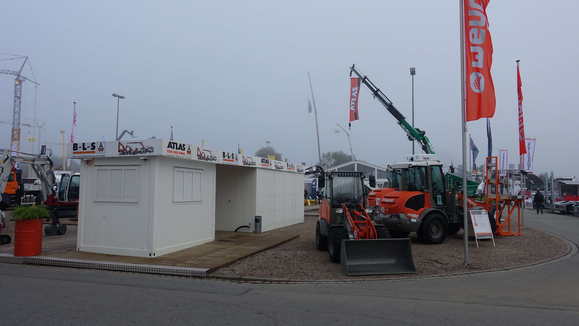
(231, 72)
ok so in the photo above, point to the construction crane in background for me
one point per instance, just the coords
(18, 81)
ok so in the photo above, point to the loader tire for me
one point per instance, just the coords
(382, 233)
(433, 229)
(399, 234)
(453, 228)
(5, 239)
(321, 240)
(335, 237)
(61, 229)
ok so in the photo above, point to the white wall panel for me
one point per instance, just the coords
(235, 198)
(279, 198)
(180, 225)
(110, 227)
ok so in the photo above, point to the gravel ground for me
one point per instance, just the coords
(299, 259)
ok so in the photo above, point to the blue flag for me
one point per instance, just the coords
(309, 106)
(490, 138)
(474, 150)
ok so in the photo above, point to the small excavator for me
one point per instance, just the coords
(345, 228)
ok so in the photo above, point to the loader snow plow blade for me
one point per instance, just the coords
(377, 257)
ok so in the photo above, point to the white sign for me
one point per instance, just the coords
(278, 165)
(208, 155)
(229, 158)
(178, 149)
(503, 162)
(481, 225)
(136, 148)
(265, 163)
(528, 158)
(247, 160)
(88, 149)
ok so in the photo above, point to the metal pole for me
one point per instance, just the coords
(117, 131)
(412, 73)
(464, 131)
(351, 151)
(316, 114)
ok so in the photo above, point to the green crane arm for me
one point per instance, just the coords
(412, 133)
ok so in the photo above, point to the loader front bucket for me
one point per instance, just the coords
(377, 257)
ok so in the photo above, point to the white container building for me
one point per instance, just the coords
(147, 198)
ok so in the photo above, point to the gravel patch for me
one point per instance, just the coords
(299, 259)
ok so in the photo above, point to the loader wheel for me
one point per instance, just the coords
(433, 229)
(399, 234)
(335, 237)
(321, 240)
(382, 233)
(453, 228)
(5, 239)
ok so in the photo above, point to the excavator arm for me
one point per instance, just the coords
(412, 133)
(41, 164)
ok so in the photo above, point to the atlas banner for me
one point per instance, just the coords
(177, 149)
(88, 149)
(265, 163)
(354, 95)
(247, 160)
(529, 155)
(503, 162)
(478, 57)
(522, 147)
(279, 165)
(229, 158)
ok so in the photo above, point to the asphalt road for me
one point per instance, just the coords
(547, 294)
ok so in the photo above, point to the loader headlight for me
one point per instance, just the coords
(369, 211)
(339, 210)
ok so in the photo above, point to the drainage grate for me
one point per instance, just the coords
(104, 265)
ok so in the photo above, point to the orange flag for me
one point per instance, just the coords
(480, 90)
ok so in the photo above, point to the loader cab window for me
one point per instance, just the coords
(73, 189)
(62, 187)
(394, 179)
(11, 177)
(349, 190)
(414, 179)
(438, 188)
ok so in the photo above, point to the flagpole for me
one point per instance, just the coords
(316, 114)
(464, 131)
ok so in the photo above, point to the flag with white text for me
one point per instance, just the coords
(478, 56)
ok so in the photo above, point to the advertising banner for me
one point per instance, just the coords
(290, 166)
(88, 149)
(247, 160)
(229, 158)
(354, 95)
(177, 149)
(478, 56)
(503, 162)
(207, 155)
(529, 156)
(279, 165)
(265, 163)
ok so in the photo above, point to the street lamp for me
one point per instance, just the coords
(267, 143)
(412, 73)
(349, 141)
(119, 98)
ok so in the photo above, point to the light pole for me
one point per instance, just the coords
(119, 98)
(412, 73)
(267, 143)
(349, 141)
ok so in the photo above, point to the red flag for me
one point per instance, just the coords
(480, 90)
(354, 92)
(522, 147)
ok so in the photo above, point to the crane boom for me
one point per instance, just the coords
(414, 134)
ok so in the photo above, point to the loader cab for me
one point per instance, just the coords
(342, 188)
(423, 176)
(69, 188)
